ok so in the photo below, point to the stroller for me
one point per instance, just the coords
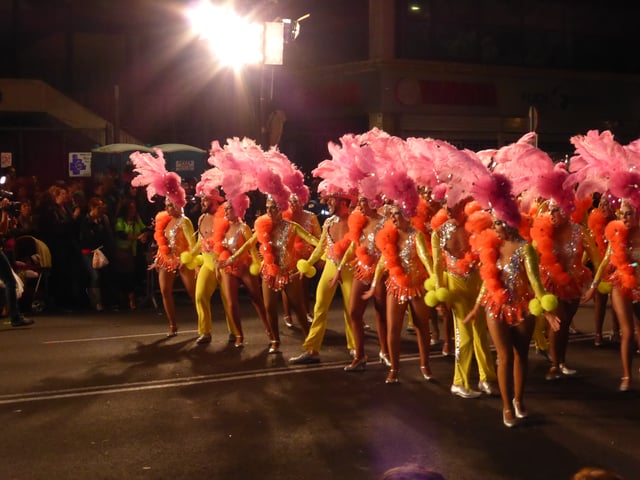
(32, 263)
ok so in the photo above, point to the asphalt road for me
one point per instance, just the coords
(107, 396)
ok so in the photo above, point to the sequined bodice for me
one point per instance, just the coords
(233, 242)
(282, 245)
(368, 240)
(571, 251)
(512, 272)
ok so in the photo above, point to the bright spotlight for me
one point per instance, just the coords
(232, 39)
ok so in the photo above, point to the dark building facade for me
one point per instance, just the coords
(478, 73)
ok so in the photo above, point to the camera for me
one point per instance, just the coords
(12, 208)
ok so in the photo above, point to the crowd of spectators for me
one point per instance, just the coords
(75, 217)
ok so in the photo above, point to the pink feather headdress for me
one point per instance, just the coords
(462, 174)
(340, 174)
(533, 173)
(602, 165)
(209, 184)
(153, 175)
(246, 167)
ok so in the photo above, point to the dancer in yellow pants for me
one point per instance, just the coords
(452, 252)
(334, 242)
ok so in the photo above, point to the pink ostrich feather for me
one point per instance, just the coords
(626, 185)
(458, 169)
(494, 191)
(421, 164)
(597, 157)
(153, 175)
(210, 181)
(239, 160)
(533, 173)
(340, 173)
(292, 177)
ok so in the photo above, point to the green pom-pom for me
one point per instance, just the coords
(199, 260)
(431, 299)
(604, 288)
(254, 269)
(549, 302)
(442, 294)
(535, 307)
(303, 266)
(311, 272)
(186, 258)
(430, 283)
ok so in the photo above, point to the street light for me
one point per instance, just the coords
(236, 41)
(232, 39)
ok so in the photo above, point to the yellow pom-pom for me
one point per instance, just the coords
(549, 302)
(311, 272)
(604, 288)
(431, 299)
(442, 294)
(430, 283)
(199, 260)
(535, 307)
(303, 266)
(186, 258)
(254, 269)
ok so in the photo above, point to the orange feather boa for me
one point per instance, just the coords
(542, 235)
(263, 227)
(387, 242)
(617, 234)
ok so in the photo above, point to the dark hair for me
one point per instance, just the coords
(594, 473)
(411, 472)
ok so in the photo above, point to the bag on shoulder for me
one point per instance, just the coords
(99, 258)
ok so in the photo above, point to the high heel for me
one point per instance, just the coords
(358, 365)
(392, 377)
(426, 373)
(384, 358)
(520, 412)
(274, 346)
(508, 418)
(625, 383)
(239, 342)
(173, 331)
(287, 321)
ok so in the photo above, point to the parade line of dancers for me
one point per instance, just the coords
(501, 245)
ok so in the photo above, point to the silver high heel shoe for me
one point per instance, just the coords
(392, 377)
(426, 373)
(358, 365)
(520, 412)
(384, 358)
(274, 347)
(509, 419)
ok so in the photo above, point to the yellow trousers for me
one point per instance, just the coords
(539, 334)
(324, 296)
(206, 284)
(470, 338)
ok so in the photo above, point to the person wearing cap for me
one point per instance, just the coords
(333, 244)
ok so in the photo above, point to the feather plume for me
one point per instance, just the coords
(151, 173)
